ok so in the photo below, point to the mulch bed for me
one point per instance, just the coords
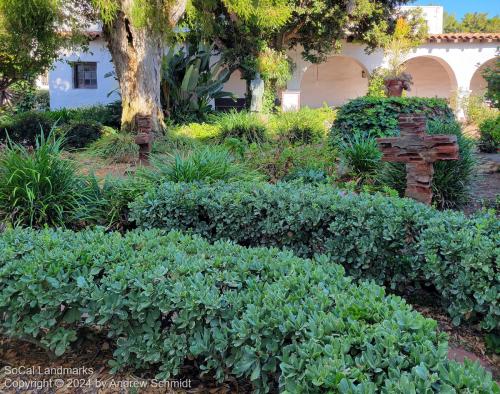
(93, 355)
(464, 341)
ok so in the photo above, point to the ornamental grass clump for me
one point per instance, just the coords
(360, 155)
(38, 187)
(279, 322)
(115, 147)
(305, 126)
(207, 164)
(242, 125)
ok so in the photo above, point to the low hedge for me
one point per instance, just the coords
(395, 241)
(378, 116)
(282, 322)
(25, 127)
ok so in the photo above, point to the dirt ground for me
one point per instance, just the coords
(87, 371)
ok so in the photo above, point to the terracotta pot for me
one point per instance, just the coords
(394, 87)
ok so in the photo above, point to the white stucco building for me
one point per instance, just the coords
(445, 66)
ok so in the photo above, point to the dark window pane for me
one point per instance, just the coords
(85, 75)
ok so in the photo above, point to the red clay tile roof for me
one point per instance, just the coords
(464, 37)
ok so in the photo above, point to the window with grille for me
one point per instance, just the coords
(85, 75)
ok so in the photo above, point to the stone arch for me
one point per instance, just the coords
(334, 82)
(478, 84)
(432, 77)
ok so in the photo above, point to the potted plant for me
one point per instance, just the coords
(405, 37)
(395, 84)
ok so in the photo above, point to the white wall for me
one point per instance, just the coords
(439, 69)
(333, 82)
(478, 84)
(433, 15)
(236, 85)
(62, 91)
(430, 78)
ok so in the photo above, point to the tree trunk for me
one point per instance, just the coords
(137, 56)
(5, 94)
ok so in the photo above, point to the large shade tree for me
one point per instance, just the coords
(137, 32)
(28, 40)
(316, 27)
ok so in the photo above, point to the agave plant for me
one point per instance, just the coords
(190, 82)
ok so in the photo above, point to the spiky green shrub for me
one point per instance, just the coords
(106, 203)
(360, 155)
(385, 239)
(242, 125)
(305, 126)
(452, 179)
(115, 147)
(165, 301)
(208, 164)
(38, 187)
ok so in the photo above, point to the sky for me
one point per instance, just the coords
(460, 7)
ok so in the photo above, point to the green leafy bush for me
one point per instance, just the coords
(303, 127)
(79, 134)
(26, 97)
(477, 110)
(115, 146)
(492, 77)
(490, 135)
(281, 322)
(307, 175)
(360, 155)
(452, 179)
(243, 125)
(38, 187)
(376, 84)
(376, 237)
(25, 127)
(208, 164)
(378, 117)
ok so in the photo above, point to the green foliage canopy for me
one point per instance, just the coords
(472, 22)
(28, 39)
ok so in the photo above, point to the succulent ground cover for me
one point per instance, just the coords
(270, 317)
